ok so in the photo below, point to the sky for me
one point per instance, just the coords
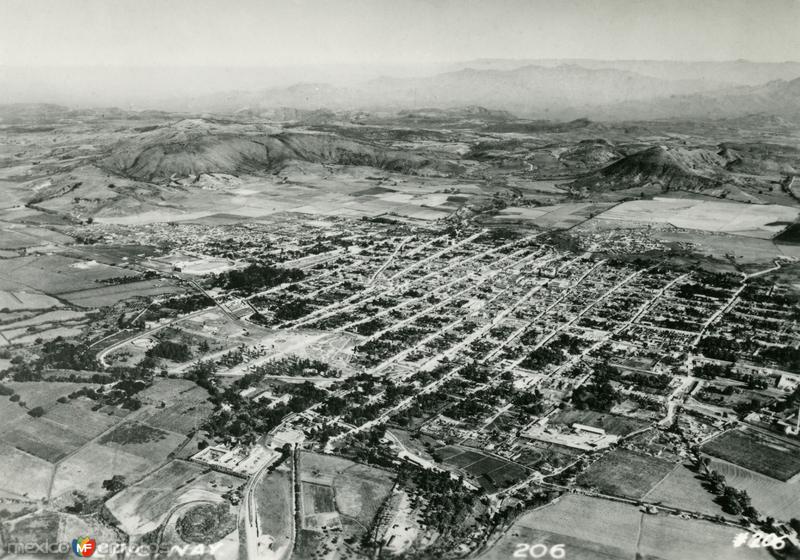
(241, 33)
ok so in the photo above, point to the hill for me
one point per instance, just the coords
(669, 168)
(196, 147)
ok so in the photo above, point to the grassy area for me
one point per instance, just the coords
(625, 473)
(757, 451)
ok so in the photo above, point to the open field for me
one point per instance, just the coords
(273, 498)
(185, 406)
(41, 438)
(77, 416)
(757, 451)
(140, 508)
(614, 424)
(26, 300)
(317, 499)
(44, 393)
(86, 470)
(144, 441)
(109, 295)
(683, 488)
(625, 473)
(595, 529)
(748, 220)
(780, 500)
(359, 490)
(23, 475)
(56, 274)
(558, 216)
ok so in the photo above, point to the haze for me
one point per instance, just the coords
(85, 52)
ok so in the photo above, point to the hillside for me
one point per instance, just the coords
(669, 168)
(182, 151)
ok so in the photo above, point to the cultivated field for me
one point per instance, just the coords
(26, 300)
(595, 529)
(625, 473)
(758, 452)
(780, 500)
(144, 441)
(23, 476)
(86, 470)
(749, 220)
(683, 488)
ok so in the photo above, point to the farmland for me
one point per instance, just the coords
(625, 473)
(683, 488)
(594, 529)
(757, 451)
(24, 475)
(772, 497)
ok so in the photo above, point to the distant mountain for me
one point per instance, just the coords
(730, 72)
(564, 92)
(778, 98)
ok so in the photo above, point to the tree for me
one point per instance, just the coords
(114, 484)
(36, 412)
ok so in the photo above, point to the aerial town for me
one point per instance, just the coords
(485, 310)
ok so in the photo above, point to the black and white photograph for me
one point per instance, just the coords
(400, 279)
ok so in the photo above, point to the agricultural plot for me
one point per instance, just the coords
(780, 500)
(748, 220)
(26, 300)
(683, 488)
(42, 438)
(595, 529)
(142, 507)
(77, 416)
(181, 413)
(359, 490)
(23, 476)
(43, 393)
(625, 473)
(56, 274)
(673, 538)
(110, 295)
(86, 470)
(144, 441)
(760, 452)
